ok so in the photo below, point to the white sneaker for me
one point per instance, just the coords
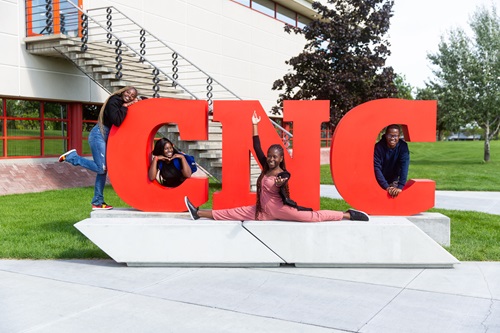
(62, 158)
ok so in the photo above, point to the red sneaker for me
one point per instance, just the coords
(102, 206)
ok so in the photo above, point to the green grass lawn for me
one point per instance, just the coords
(453, 165)
(40, 225)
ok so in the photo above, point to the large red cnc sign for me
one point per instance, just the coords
(130, 146)
(351, 155)
(129, 154)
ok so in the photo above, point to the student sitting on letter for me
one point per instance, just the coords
(169, 166)
(391, 161)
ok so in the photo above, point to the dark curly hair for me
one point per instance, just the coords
(265, 169)
(159, 149)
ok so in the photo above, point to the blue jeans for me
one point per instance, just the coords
(97, 145)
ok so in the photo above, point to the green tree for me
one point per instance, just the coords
(445, 120)
(467, 74)
(404, 88)
(344, 57)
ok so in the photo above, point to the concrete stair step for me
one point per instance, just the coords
(214, 137)
(211, 130)
(212, 154)
(103, 69)
(206, 145)
(216, 164)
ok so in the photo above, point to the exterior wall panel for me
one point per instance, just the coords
(31, 76)
(213, 33)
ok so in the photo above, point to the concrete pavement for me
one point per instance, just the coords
(102, 296)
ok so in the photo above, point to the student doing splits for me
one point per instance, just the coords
(273, 200)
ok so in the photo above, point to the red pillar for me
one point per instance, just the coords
(75, 116)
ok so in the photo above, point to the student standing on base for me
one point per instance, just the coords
(113, 112)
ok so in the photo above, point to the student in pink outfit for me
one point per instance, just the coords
(273, 197)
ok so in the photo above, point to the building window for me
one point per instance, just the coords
(264, 6)
(243, 2)
(90, 116)
(52, 17)
(302, 21)
(33, 128)
(286, 15)
(272, 9)
(2, 139)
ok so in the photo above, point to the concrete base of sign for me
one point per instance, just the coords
(173, 239)
(382, 242)
(435, 225)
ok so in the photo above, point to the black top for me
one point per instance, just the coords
(391, 164)
(114, 111)
(170, 175)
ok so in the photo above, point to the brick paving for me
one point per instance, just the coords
(42, 176)
(24, 176)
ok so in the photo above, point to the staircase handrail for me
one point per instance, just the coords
(133, 50)
(142, 56)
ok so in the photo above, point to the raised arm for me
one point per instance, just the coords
(185, 168)
(405, 164)
(256, 141)
(378, 158)
(153, 168)
(255, 122)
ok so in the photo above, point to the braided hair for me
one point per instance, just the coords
(265, 169)
(100, 119)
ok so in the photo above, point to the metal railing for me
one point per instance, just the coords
(135, 45)
(122, 50)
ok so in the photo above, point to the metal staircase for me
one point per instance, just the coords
(114, 51)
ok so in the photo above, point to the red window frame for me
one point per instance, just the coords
(41, 119)
(56, 24)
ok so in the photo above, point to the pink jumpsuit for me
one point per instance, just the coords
(273, 208)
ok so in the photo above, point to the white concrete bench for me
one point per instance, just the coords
(173, 239)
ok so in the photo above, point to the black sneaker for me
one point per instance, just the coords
(193, 211)
(357, 215)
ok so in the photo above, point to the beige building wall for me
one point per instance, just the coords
(28, 76)
(243, 49)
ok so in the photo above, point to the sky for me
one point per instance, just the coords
(416, 29)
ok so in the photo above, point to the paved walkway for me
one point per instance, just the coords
(486, 202)
(102, 296)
